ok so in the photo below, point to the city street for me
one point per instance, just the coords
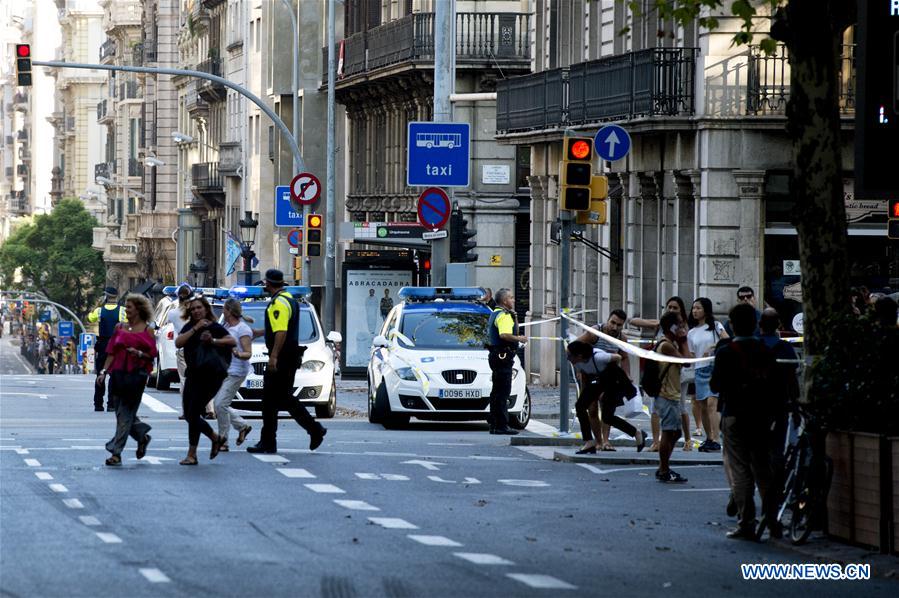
(434, 510)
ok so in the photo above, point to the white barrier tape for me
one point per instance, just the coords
(544, 338)
(638, 351)
(534, 323)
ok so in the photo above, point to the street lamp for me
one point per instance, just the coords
(247, 239)
(199, 269)
(153, 162)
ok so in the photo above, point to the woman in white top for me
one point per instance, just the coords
(236, 325)
(705, 332)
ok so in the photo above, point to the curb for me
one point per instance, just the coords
(635, 458)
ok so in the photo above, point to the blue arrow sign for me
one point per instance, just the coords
(612, 143)
(438, 154)
(66, 328)
(285, 215)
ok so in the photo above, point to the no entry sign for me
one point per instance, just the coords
(433, 208)
(305, 189)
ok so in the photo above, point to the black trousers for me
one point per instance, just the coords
(607, 414)
(99, 360)
(500, 391)
(198, 390)
(589, 395)
(277, 396)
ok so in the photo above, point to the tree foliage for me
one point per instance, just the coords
(53, 255)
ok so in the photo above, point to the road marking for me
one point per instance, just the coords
(89, 520)
(43, 475)
(58, 488)
(295, 473)
(437, 478)
(154, 575)
(701, 490)
(356, 505)
(524, 483)
(368, 476)
(32, 463)
(395, 477)
(471, 481)
(481, 558)
(450, 444)
(433, 540)
(152, 460)
(27, 394)
(325, 488)
(392, 523)
(429, 465)
(358, 442)
(597, 470)
(271, 458)
(73, 503)
(156, 405)
(541, 429)
(541, 582)
(109, 538)
(21, 451)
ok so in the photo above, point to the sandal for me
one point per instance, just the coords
(606, 448)
(654, 448)
(216, 447)
(114, 460)
(688, 445)
(188, 461)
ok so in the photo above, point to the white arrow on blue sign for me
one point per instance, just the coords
(612, 143)
(285, 214)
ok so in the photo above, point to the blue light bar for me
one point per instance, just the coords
(433, 293)
(243, 292)
(299, 291)
(170, 290)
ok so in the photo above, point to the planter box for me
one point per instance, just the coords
(863, 502)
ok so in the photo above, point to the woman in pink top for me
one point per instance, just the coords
(129, 360)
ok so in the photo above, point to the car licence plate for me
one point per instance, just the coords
(451, 393)
(254, 383)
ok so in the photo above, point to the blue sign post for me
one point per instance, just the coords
(285, 215)
(612, 143)
(438, 154)
(85, 343)
(66, 328)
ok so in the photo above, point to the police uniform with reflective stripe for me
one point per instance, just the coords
(501, 360)
(109, 315)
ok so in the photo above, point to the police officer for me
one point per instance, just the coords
(502, 344)
(282, 320)
(109, 315)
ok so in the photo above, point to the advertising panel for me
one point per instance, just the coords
(370, 294)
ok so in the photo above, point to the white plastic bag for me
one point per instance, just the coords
(633, 407)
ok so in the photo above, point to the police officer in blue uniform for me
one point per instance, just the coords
(108, 315)
(502, 346)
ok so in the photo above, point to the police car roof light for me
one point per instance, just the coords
(299, 291)
(243, 292)
(169, 290)
(434, 293)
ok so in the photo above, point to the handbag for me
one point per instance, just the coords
(687, 374)
(127, 385)
(209, 362)
(633, 406)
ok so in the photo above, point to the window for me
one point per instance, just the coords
(444, 328)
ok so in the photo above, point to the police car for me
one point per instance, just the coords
(314, 382)
(430, 362)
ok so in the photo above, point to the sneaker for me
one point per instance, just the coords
(672, 477)
(743, 533)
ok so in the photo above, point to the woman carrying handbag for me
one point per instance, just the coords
(129, 359)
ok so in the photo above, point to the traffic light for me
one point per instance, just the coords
(23, 64)
(893, 220)
(599, 191)
(877, 105)
(575, 172)
(313, 236)
(460, 239)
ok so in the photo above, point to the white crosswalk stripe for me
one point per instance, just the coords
(392, 523)
(295, 472)
(433, 540)
(481, 558)
(154, 575)
(541, 582)
(325, 488)
(356, 505)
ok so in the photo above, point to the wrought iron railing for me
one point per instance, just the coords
(768, 83)
(107, 49)
(205, 176)
(135, 167)
(213, 66)
(101, 109)
(101, 170)
(535, 101)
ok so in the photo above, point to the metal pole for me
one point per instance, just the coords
(62, 307)
(295, 77)
(330, 225)
(444, 75)
(564, 291)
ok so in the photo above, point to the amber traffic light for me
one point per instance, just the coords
(313, 236)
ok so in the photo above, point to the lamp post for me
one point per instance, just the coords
(199, 269)
(153, 162)
(247, 239)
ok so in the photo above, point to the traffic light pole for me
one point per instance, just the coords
(444, 82)
(564, 292)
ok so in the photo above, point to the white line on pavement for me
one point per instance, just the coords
(450, 444)
(524, 483)
(21, 451)
(395, 477)
(32, 463)
(481, 558)
(541, 582)
(701, 490)
(325, 488)
(43, 475)
(392, 523)
(58, 488)
(541, 429)
(89, 520)
(295, 472)
(265, 458)
(356, 505)
(155, 575)
(73, 503)
(156, 405)
(109, 538)
(433, 540)
(437, 478)
(368, 476)
(594, 469)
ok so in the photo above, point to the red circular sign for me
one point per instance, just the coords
(305, 189)
(433, 208)
(295, 237)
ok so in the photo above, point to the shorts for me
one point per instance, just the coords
(669, 413)
(703, 377)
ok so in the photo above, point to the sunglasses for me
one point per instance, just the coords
(744, 296)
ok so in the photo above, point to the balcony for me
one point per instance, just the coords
(149, 49)
(18, 203)
(483, 41)
(157, 225)
(107, 51)
(211, 91)
(206, 184)
(768, 84)
(196, 106)
(101, 170)
(22, 135)
(655, 82)
(22, 170)
(127, 90)
(210, 4)
(230, 158)
(105, 112)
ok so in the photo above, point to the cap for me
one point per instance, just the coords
(111, 291)
(274, 277)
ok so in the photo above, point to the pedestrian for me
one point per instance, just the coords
(386, 304)
(109, 314)
(236, 325)
(704, 334)
(129, 352)
(488, 298)
(207, 351)
(177, 319)
(51, 354)
(746, 295)
(744, 374)
(502, 344)
(282, 318)
(668, 404)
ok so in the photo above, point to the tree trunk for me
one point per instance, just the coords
(814, 34)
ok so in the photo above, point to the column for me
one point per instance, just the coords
(750, 268)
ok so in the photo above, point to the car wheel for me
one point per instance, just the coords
(520, 420)
(328, 410)
(163, 380)
(151, 381)
(376, 405)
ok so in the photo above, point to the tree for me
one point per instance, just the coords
(812, 32)
(53, 255)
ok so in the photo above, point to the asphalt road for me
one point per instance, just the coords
(433, 510)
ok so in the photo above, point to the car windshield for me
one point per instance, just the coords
(444, 328)
(308, 331)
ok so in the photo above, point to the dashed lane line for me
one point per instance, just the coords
(43, 475)
(392, 523)
(356, 505)
(433, 540)
(325, 488)
(109, 538)
(58, 488)
(73, 503)
(525, 483)
(154, 575)
(21, 451)
(266, 458)
(541, 582)
(32, 463)
(481, 558)
(295, 472)
(89, 520)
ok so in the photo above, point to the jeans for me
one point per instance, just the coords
(198, 392)
(277, 394)
(746, 447)
(224, 413)
(500, 391)
(127, 422)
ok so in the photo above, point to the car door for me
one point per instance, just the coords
(380, 355)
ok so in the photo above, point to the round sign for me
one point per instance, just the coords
(612, 143)
(433, 208)
(798, 323)
(305, 189)
(294, 237)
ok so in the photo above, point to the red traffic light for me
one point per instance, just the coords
(580, 149)
(894, 208)
(23, 50)
(427, 265)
